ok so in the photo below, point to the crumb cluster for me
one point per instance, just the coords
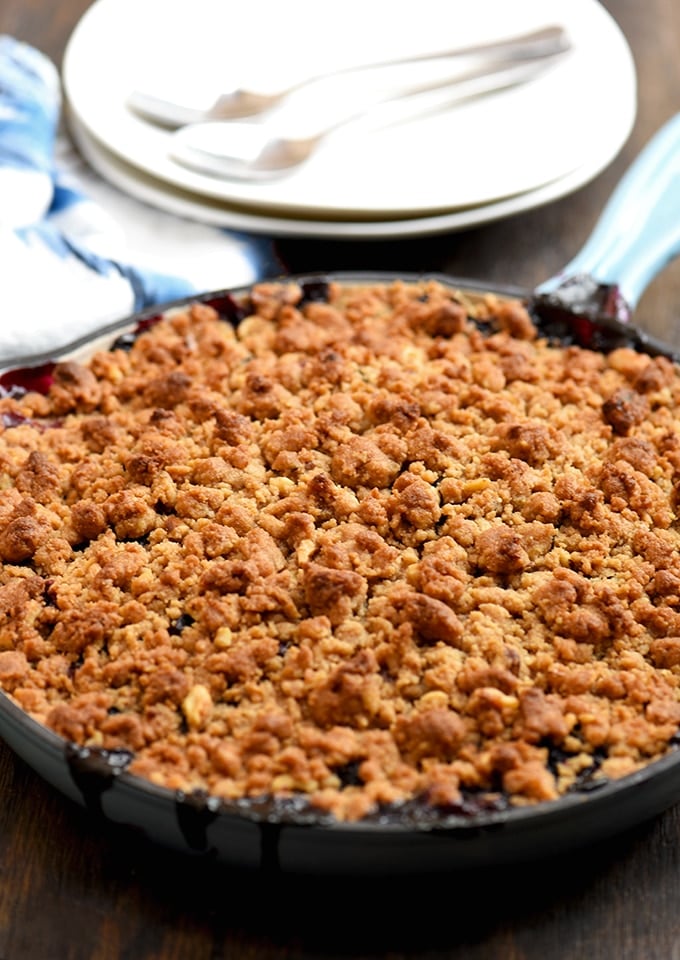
(373, 545)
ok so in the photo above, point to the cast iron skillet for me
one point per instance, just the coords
(590, 303)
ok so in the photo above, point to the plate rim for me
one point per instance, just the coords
(126, 177)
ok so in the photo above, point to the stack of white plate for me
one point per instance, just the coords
(465, 165)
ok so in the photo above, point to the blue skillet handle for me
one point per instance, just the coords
(638, 232)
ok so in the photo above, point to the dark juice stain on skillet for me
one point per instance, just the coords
(94, 770)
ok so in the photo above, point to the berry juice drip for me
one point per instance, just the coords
(582, 312)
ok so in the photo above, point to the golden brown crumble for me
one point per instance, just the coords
(367, 550)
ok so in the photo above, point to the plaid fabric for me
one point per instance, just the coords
(75, 252)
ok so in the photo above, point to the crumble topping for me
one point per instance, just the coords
(384, 544)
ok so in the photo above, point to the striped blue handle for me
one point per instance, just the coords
(638, 232)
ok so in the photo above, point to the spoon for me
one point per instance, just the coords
(261, 151)
(243, 102)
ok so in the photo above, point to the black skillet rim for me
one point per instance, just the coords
(572, 820)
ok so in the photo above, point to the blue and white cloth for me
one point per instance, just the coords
(76, 252)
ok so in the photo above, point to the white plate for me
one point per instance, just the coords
(196, 207)
(474, 154)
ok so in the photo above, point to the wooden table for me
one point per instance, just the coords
(72, 890)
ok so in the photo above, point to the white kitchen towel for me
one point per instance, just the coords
(76, 253)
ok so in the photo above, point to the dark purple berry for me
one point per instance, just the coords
(28, 379)
(126, 341)
(183, 621)
(228, 308)
(314, 291)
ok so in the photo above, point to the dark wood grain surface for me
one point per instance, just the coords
(71, 889)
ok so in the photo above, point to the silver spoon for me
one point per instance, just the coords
(262, 151)
(244, 102)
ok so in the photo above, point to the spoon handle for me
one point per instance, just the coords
(638, 231)
(411, 101)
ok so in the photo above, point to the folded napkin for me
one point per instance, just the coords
(76, 252)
